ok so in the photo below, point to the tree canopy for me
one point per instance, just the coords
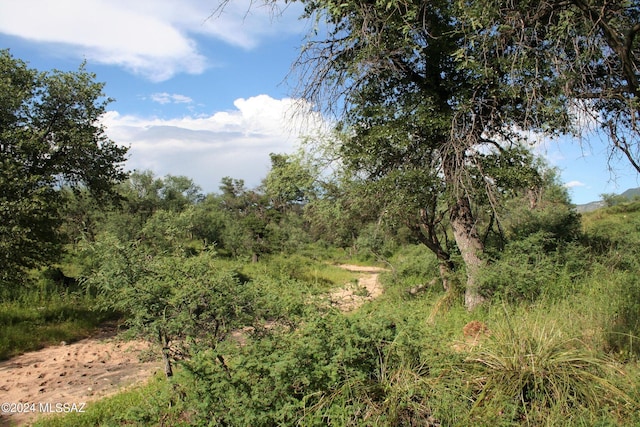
(422, 115)
(50, 138)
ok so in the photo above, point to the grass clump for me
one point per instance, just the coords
(531, 371)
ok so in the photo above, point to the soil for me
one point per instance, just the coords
(76, 373)
(368, 288)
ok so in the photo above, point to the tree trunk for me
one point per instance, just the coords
(166, 357)
(470, 246)
(445, 269)
(168, 370)
(425, 231)
(463, 223)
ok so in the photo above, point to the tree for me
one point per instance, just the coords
(50, 138)
(289, 183)
(245, 232)
(171, 300)
(432, 87)
(345, 205)
(418, 110)
(586, 51)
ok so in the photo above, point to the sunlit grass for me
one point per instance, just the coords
(535, 367)
(26, 327)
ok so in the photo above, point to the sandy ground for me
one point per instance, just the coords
(368, 288)
(77, 373)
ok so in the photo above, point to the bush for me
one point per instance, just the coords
(171, 299)
(533, 267)
(307, 377)
(414, 265)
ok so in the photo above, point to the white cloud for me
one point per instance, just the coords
(153, 38)
(573, 184)
(232, 143)
(168, 98)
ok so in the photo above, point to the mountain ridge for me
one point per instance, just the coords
(629, 194)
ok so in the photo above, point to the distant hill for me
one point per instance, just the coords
(631, 193)
(592, 206)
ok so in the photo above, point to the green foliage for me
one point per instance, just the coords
(557, 219)
(623, 337)
(531, 370)
(289, 183)
(534, 266)
(611, 199)
(389, 363)
(170, 298)
(611, 297)
(377, 242)
(413, 265)
(207, 221)
(614, 229)
(50, 309)
(167, 231)
(272, 380)
(337, 216)
(318, 275)
(50, 136)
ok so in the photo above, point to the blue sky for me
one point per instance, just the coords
(207, 97)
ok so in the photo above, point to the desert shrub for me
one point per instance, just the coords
(171, 299)
(333, 370)
(533, 267)
(282, 300)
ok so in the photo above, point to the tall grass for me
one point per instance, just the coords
(534, 369)
(44, 313)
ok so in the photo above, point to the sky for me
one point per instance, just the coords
(205, 94)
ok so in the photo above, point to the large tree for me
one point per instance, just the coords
(50, 138)
(419, 112)
(428, 89)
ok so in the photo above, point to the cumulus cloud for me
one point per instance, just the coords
(573, 184)
(232, 143)
(153, 38)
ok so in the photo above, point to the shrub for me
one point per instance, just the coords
(533, 267)
(171, 299)
(622, 312)
(303, 377)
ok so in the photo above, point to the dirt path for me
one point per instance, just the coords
(368, 288)
(70, 374)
